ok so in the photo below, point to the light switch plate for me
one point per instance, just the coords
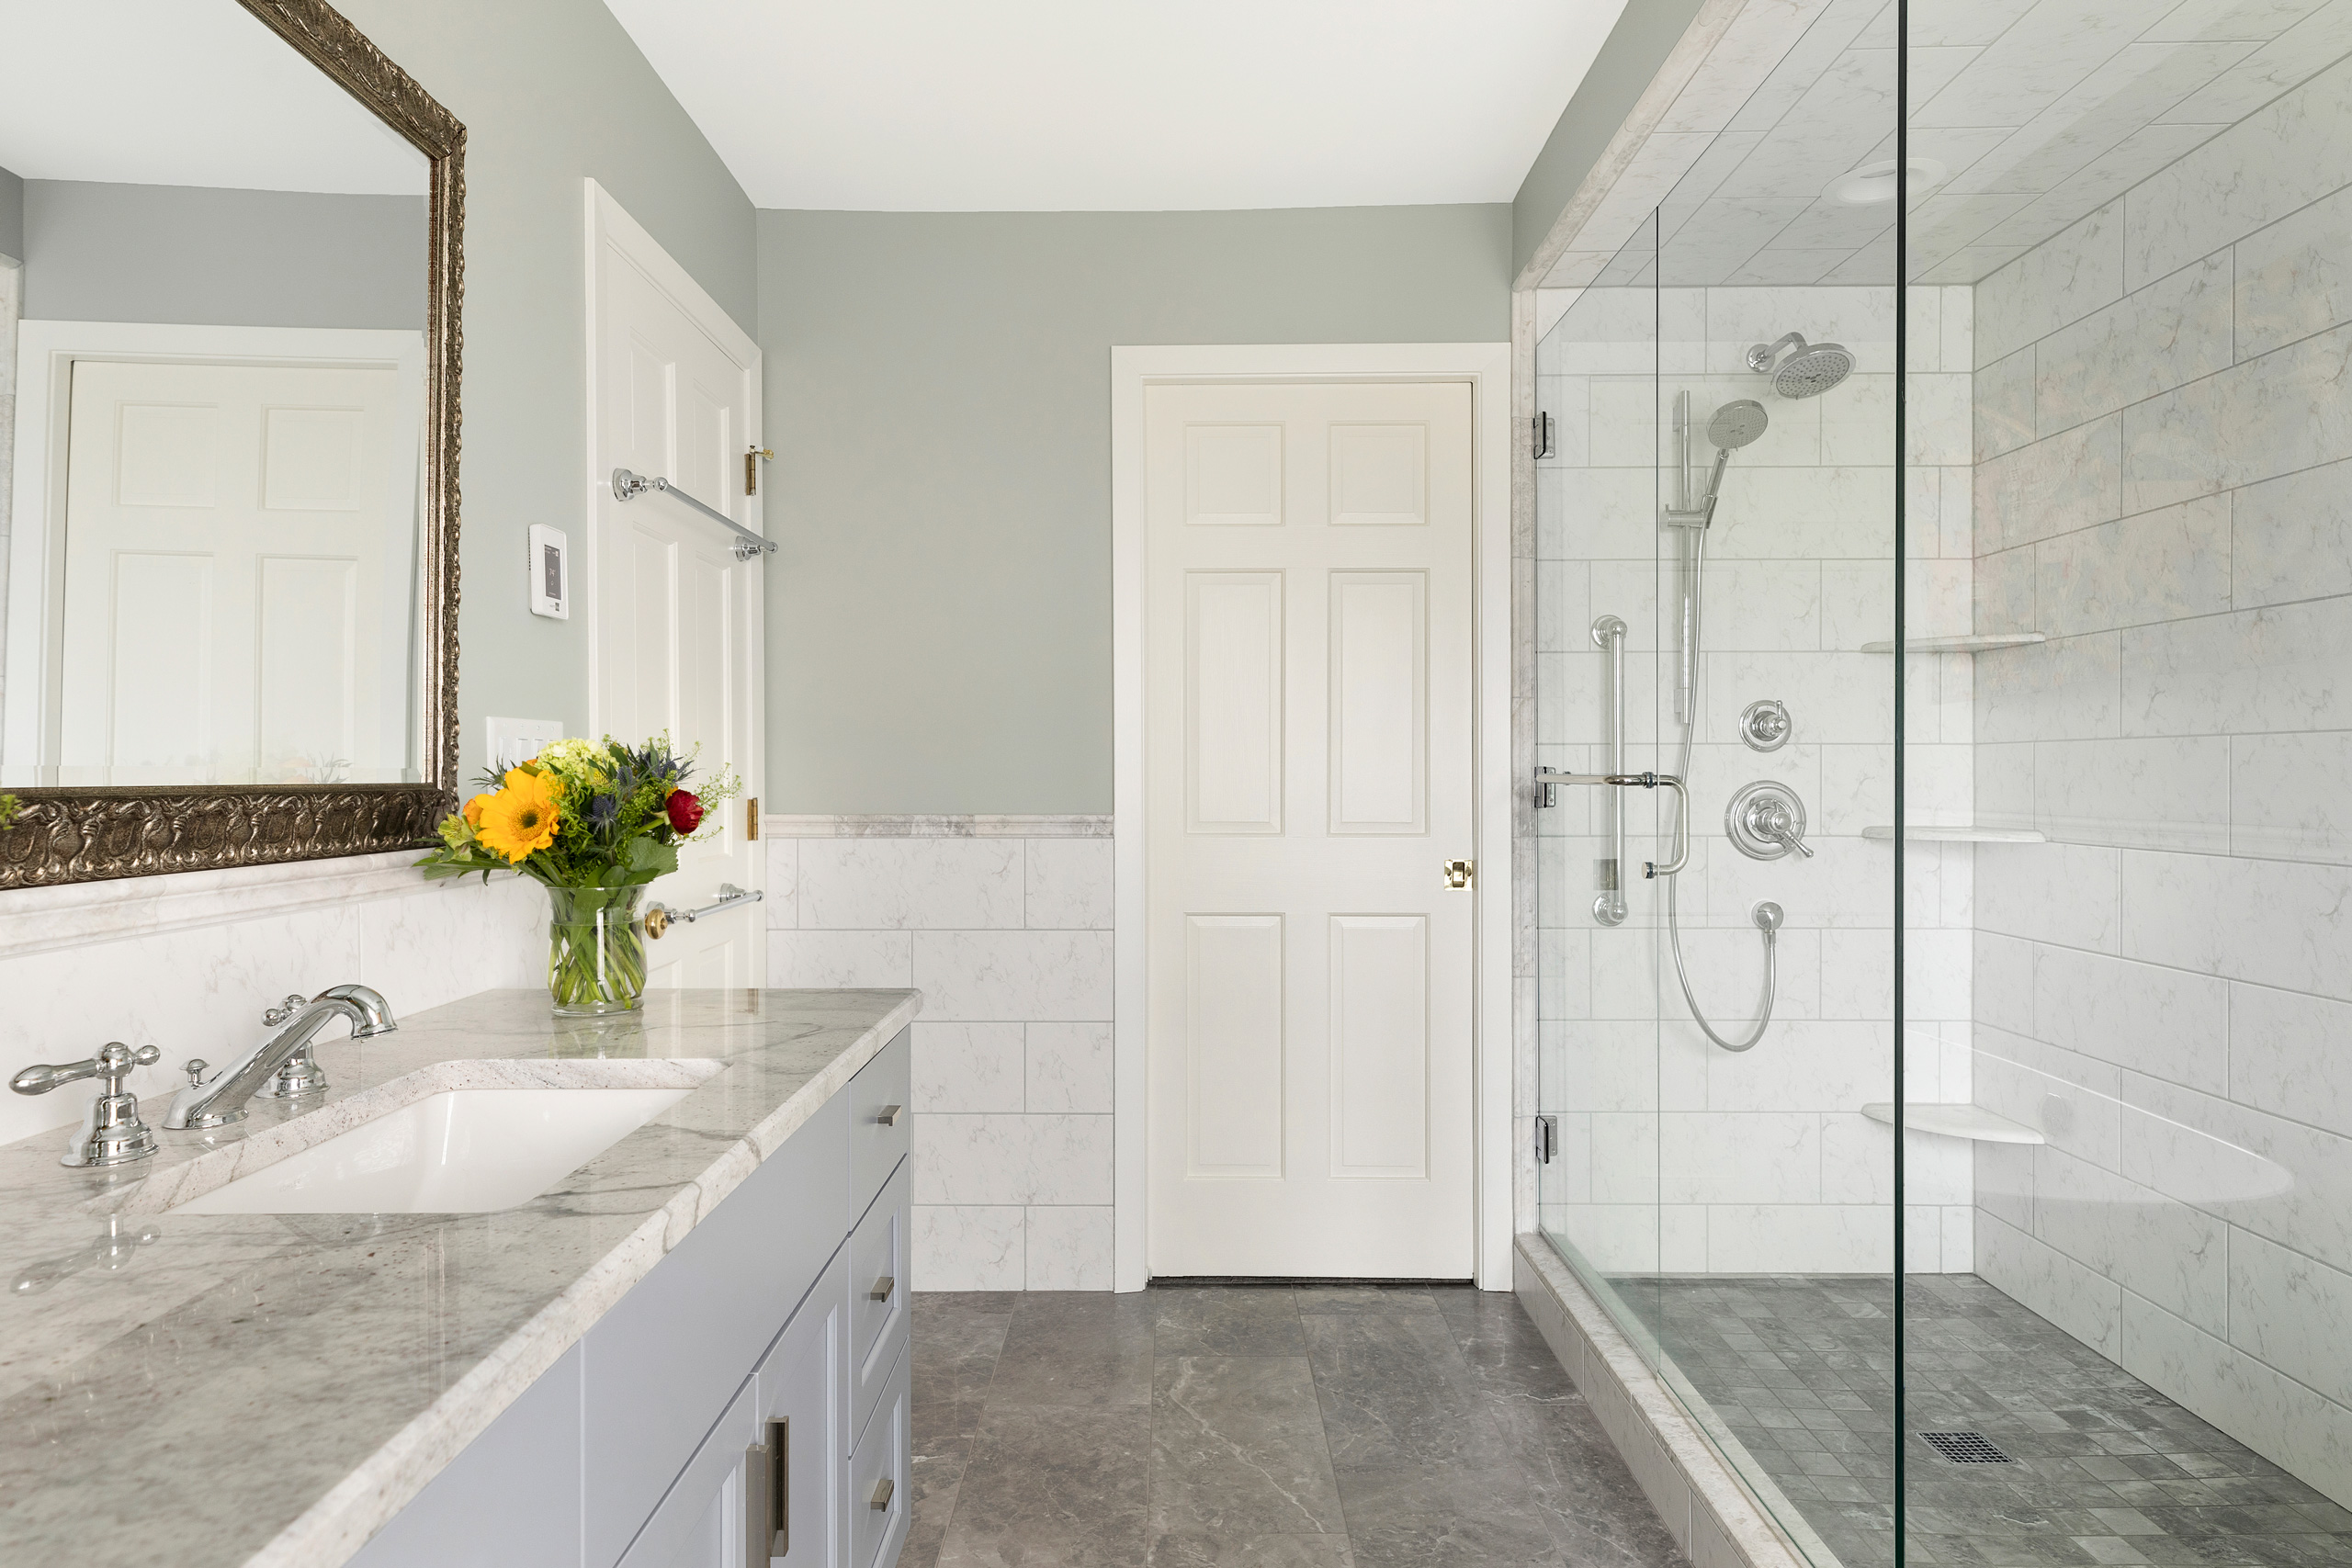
(550, 572)
(513, 740)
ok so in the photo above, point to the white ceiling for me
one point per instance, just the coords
(184, 93)
(946, 106)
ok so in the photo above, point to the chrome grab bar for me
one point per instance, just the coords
(1609, 907)
(1548, 778)
(659, 917)
(627, 486)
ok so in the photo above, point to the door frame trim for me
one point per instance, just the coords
(1486, 366)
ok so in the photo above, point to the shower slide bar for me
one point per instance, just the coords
(1548, 780)
(1609, 904)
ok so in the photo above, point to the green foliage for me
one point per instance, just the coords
(612, 827)
(9, 807)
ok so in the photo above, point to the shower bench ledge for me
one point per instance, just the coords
(1971, 1122)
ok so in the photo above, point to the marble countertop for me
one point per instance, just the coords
(267, 1390)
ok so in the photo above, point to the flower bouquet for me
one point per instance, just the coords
(593, 822)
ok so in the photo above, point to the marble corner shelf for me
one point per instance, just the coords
(1981, 643)
(1959, 835)
(1971, 1122)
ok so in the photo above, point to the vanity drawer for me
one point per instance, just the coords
(878, 1309)
(879, 1118)
(880, 1470)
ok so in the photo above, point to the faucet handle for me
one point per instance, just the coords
(113, 1065)
(194, 1068)
(112, 1132)
(283, 1012)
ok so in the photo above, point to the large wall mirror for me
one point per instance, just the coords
(228, 323)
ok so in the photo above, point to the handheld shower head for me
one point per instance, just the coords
(1736, 424)
(1800, 369)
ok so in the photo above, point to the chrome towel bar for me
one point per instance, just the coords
(659, 918)
(627, 486)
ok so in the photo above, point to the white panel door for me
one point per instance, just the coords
(678, 645)
(1307, 668)
(238, 569)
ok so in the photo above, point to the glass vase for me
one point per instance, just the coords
(595, 950)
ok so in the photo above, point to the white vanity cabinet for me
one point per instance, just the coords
(745, 1404)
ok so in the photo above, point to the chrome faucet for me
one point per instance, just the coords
(283, 1061)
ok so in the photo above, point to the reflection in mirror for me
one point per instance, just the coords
(212, 331)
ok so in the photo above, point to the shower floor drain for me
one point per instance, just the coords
(1965, 1448)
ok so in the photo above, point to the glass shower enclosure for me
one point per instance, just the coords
(1943, 724)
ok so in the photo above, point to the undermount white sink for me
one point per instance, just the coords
(462, 1151)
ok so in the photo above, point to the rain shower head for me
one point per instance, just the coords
(1737, 424)
(1800, 369)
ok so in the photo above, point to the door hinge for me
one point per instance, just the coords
(1547, 1138)
(1539, 428)
(751, 818)
(751, 468)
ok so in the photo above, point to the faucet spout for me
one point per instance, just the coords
(222, 1100)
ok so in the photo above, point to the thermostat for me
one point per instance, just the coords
(550, 572)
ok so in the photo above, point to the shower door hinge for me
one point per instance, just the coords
(1540, 429)
(1547, 1138)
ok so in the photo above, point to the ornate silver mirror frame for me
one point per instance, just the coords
(90, 834)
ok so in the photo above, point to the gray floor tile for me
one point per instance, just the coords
(1227, 1321)
(1076, 1349)
(1183, 1548)
(1395, 1392)
(1237, 1447)
(1057, 1486)
(1427, 1517)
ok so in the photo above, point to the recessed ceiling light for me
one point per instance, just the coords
(1875, 183)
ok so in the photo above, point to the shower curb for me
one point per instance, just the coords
(1713, 1516)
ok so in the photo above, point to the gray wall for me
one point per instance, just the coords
(549, 91)
(939, 400)
(241, 258)
(12, 216)
(1645, 33)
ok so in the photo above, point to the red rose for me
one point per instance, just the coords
(685, 811)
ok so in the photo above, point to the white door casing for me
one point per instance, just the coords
(676, 643)
(1308, 735)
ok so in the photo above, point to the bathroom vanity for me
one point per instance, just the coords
(690, 1352)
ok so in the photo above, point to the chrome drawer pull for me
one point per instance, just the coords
(882, 1288)
(882, 1495)
(888, 1115)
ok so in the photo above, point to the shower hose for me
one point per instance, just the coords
(1673, 921)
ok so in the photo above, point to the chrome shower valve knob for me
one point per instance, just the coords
(1765, 726)
(1766, 822)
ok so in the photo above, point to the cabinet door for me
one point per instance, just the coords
(765, 1476)
(670, 1353)
(803, 1395)
(704, 1523)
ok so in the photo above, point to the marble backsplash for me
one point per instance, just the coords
(187, 962)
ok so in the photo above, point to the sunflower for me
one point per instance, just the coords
(473, 810)
(521, 818)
